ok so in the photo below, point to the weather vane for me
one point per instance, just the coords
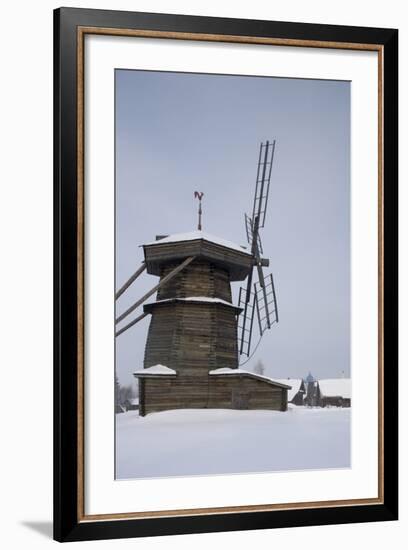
(198, 195)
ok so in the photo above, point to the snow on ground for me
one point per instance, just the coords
(214, 441)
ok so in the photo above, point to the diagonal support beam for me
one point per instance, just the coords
(153, 290)
(130, 280)
(123, 329)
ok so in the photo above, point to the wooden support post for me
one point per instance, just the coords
(153, 290)
(130, 280)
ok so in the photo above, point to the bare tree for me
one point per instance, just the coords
(123, 394)
(259, 367)
(117, 394)
(126, 393)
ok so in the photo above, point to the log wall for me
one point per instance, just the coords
(197, 279)
(192, 338)
(226, 392)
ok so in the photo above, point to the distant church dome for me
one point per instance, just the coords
(310, 378)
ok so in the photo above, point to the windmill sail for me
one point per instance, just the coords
(263, 179)
(266, 304)
(258, 296)
(246, 321)
(249, 226)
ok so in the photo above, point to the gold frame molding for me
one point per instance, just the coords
(82, 31)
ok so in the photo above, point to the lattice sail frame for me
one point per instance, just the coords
(267, 310)
(249, 227)
(257, 304)
(259, 296)
(245, 332)
(263, 179)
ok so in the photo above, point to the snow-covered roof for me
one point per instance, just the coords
(156, 370)
(195, 299)
(195, 235)
(229, 371)
(333, 387)
(295, 383)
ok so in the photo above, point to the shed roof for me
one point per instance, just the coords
(241, 372)
(155, 370)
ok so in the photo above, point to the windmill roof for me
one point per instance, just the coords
(198, 244)
(241, 372)
(190, 299)
(196, 235)
(333, 387)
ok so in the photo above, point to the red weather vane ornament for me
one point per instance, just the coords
(199, 195)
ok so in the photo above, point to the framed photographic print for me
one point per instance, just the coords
(225, 274)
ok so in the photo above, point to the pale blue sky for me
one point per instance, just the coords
(177, 133)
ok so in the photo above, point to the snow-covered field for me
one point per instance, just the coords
(204, 441)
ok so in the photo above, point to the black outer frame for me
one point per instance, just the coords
(66, 525)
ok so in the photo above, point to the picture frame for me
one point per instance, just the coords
(71, 26)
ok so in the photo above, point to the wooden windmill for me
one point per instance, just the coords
(194, 339)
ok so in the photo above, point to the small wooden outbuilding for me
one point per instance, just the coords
(297, 393)
(335, 392)
(132, 404)
(161, 389)
(241, 389)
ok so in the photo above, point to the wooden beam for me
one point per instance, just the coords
(130, 280)
(122, 330)
(153, 290)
